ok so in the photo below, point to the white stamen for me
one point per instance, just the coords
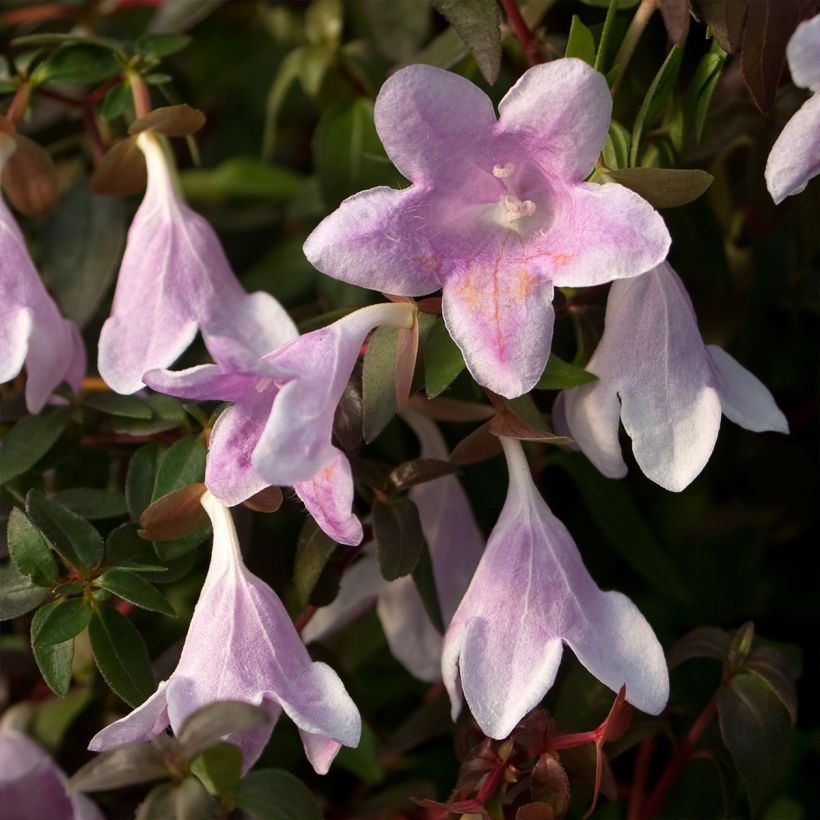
(262, 385)
(516, 209)
(503, 171)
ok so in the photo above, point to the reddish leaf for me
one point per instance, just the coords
(122, 171)
(30, 178)
(171, 120)
(478, 446)
(420, 471)
(725, 19)
(174, 515)
(440, 409)
(407, 348)
(675, 15)
(268, 500)
(536, 811)
(549, 784)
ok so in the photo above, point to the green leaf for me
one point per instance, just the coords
(779, 672)
(398, 535)
(757, 730)
(219, 768)
(82, 247)
(701, 88)
(130, 407)
(118, 102)
(158, 45)
(208, 725)
(30, 551)
(616, 515)
(616, 147)
(53, 660)
(274, 794)
(580, 42)
(425, 581)
(181, 464)
(82, 64)
(703, 642)
(477, 23)
(379, 381)
(443, 361)
(93, 503)
(315, 579)
(60, 621)
(397, 28)
(284, 79)
(606, 35)
(663, 187)
(348, 153)
(55, 716)
(658, 93)
(139, 480)
(18, 594)
(73, 538)
(29, 440)
(121, 656)
(130, 587)
(124, 766)
(363, 761)
(560, 375)
(243, 178)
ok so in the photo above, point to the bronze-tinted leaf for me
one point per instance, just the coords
(30, 178)
(174, 515)
(664, 187)
(478, 446)
(440, 409)
(420, 471)
(725, 19)
(549, 784)
(675, 15)
(268, 500)
(122, 171)
(171, 120)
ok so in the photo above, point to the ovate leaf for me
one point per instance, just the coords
(30, 551)
(29, 440)
(477, 23)
(274, 794)
(18, 594)
(664, 187)
(130, 587)
(442, 360)
(398, 535)
(60, 621)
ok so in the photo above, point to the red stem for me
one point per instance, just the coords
(571, 741)
(521, 30)
(656, 800)
(19, 103)
(304, 619)
(142, 97)
(491, 784)
(637, 793)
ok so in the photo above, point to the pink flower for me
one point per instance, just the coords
(32, 331)
(672, 388)
(175, 280)
(242, 645)
(32, 786)
(795, 157)
(279, 428)
(498, 213)
(455, 545)
(530, 595)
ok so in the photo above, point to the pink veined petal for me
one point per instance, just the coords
(600, 233)
(427, 117)
(146, 720)
(328, 497)
(561, 112)
(745, 400)
(795, 156)
(803, 53)
(378, 239)
(501, 318)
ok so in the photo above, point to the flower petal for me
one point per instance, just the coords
(426, 118)
(795, 156)
(205, 382)
(601, 233)
(561, 112)
(15, 329)
(52, 352)
(328, 497)
(744, 398)
(803, 53)
(378, 239)
(146, 720)
(501, 318)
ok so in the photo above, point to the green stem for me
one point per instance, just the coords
(633, 34)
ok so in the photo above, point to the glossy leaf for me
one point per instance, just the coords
(183, 463)
(30, 551)
(60, 621)
(425, 581)
(29, 440)
(130, 587)
(139, 481)
(559, 375)
(18, 594)
(477, 23)
(398, 536)
(130, 407)
(153, 44)
(274, 794)
(93, 503)
(53, 660)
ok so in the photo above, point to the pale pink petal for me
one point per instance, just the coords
(148, 719)
(803, 53)
(560, 111)
(320, 750)
(52, 352)
(600, 233)
(15, 330)
(328, 497)
(795, 157)
(501, 318)
(379, 239)
(745, 400)
(427, 118)
(205, 382)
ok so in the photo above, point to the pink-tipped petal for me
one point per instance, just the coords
(560, 111)
(745, 400)
(501, 318)
(795, 157)
(803, 54)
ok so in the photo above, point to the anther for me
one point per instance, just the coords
(503, 171)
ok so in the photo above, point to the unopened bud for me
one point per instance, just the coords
(29, 177)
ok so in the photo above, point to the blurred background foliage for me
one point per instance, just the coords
(287, 89)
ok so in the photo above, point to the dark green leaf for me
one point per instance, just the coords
(18, 594)
(53, 660)
(442, 360)
(398, 28)
(182, 464)
(398, 536)
(602, 53)
(121, 656)
(425, 581)
(160, 45)
(614, 511)
(125, 548)
(29, 440)
(477, 23)
(617, 146)
(243, 178)
(114, 404)
(124, 766)
(90, 502)
(776, 669)
(60, 621)
(757, 730)
(379, 382)
(580, 42)
(664, 187)
(208, 725)
(274, 794)
(703, 642)
(79, 65)
(82, 247)
(118, 102)
(420, 471)
(130, 587)
(313, 576)
(219, 768)
(701, 88)
(560, 375)
(192, 802)
(658, 93)
(363, 761)
(73, 538)
(139, 481)
(30, 550)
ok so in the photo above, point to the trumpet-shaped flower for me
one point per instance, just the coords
(241, 645)
(278, 430)
(455, 545)
(672, 387)
(175, 279)
(795, 157)
(498, 213)
(33, 787)
(530, 595)
(32, 331)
